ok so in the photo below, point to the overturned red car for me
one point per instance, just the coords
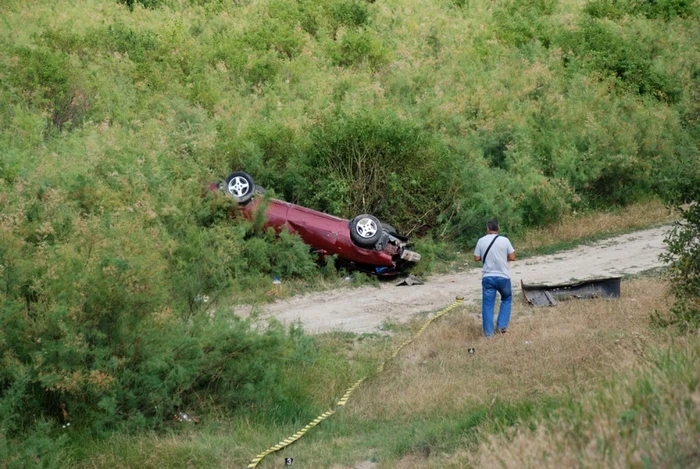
(364, 242)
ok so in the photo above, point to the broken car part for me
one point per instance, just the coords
(548, 295)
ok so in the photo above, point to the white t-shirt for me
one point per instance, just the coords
(496, 264)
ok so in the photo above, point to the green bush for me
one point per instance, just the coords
(144, 3)
(350, 13)
(365, 163)
(139, 46)
(275, 36)
(115, 274)
(663, 9)
(107, 327)
(262, 69)
(359, 47)
(50, 83)
(544, 201)
(628, 61)
(683, 193)
(613, 9)
(519, 22)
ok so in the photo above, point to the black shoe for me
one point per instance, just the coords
(502, 331)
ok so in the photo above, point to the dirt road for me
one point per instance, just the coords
(365, 309)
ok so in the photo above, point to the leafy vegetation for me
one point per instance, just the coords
(117, 270)
(684, 248)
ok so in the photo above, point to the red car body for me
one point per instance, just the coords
(329, 235)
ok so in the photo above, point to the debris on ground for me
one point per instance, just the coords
(185, 417)
(548, 295)
(410, 281)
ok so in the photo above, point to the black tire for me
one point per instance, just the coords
(365, 231)
(389, 229)
(240, 186)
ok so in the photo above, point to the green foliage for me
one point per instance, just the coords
(543, 201)
(112, 275)
(519, 22)
(93, 332)
(684, 245)
(277, 31)
(48, 82)
(613, 9)
(629, 61)
(364, 163)
(664, 9)
(350, 13)
(432, 254)
(661, 9)
(358, 47)
(144, 3)
(262, 70)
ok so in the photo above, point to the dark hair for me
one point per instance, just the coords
(492, 225)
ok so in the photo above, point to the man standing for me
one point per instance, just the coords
(495, 251)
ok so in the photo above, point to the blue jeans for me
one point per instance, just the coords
(489, 287)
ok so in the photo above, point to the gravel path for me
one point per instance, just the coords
(365, 309)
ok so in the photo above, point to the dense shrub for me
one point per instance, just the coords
(277, 30)
(663, 9)
(612, 9)
(683, 193)
(629, 61)
(366, 163)
(519, 22)
(144, 3)
(350, 13)
(107, 318)
(359, 47)
(115, 277)
(49, 82)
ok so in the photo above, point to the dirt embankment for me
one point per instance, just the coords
(366, 309)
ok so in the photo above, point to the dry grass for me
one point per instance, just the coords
(576, 227)
(547, 351)
(648, 418)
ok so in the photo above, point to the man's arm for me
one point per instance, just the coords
(477, 258)
(511, 252)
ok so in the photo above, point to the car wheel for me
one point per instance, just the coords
(365, 231)
(389, 229)
(241, 186)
